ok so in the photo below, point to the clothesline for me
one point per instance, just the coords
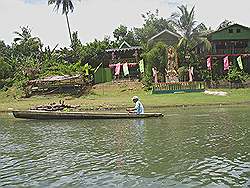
(226, 62)
(125, 67)
(129, 64)
(230, 55)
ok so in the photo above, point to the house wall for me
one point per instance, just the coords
(230, 37)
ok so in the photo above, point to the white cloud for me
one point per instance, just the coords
(97, 18)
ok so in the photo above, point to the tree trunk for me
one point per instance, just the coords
(67, 18)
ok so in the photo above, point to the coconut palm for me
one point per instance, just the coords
(24, 40)
(67, 6)
(192, 34)
(24, 35)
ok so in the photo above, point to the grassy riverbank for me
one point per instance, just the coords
(118, 96)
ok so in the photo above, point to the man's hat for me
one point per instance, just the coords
(135, 98)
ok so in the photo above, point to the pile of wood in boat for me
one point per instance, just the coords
(55, 107)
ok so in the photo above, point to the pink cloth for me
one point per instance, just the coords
(209, 63)
(112, 65)
(117, 69)
(226, 63)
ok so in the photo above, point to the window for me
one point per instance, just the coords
(238, 30)
(230, 30)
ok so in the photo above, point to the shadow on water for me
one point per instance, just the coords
(189, 147)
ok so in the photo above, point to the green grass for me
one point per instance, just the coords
(119, 97)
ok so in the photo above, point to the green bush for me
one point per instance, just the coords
(156, 57)
(183, 73)
(235, 75)
(5, 70)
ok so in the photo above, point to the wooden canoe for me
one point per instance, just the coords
(34, 114)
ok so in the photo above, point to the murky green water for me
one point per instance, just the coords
(189, 147)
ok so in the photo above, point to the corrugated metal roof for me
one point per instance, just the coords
(165, 31)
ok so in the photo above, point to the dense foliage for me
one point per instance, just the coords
(155, 57)
(153, 24)
(27, 58)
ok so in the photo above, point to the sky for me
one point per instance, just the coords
(99, 18)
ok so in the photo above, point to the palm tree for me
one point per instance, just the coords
(25, 39)
(67, 6)
(27, 51)
(192, 34)
(23, 36)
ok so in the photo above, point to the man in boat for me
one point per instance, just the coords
(138, 109)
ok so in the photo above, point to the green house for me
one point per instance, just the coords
(231, 41)
(234, 39)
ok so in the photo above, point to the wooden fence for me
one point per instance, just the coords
(175, 87)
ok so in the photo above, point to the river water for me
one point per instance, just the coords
(189, 147)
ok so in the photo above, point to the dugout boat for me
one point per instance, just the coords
(35, 114)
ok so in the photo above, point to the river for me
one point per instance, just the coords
(188, 147)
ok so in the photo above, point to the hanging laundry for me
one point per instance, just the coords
(117, 69)
(209, 63)
(141, 66)
(125, 69)
(239, 60)
(112, 66)
(226, 63)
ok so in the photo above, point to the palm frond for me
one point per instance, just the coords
(182, 42)
(67, 5)
(17, 39)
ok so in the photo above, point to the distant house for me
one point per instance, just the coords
(231, 41)
(234, 39)
(168, 37)
(125, 54)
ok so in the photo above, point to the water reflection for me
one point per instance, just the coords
(139, 129)
(193, 147)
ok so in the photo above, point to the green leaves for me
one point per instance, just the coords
(235, 75)
(153, 24)
(67, 5)
(5, 69)
(156, 57)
